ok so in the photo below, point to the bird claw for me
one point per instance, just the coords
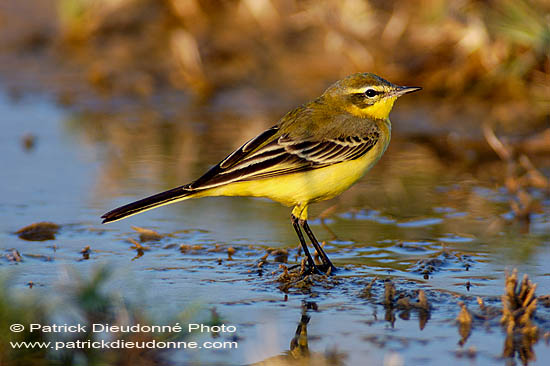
(320, 269)
(327, 268)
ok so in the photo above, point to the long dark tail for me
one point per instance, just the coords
(159, 199)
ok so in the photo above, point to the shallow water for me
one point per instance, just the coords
(416, 219)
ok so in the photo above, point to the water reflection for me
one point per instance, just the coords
(299, 352)
(400, 303)
(520, 346)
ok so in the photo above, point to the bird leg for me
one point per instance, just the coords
(311, 263)
(327, 264)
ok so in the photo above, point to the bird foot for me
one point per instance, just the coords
(320, 269)
(308, 270)
(327, 269)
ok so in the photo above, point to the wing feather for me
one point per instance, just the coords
(268, 156)
(233, 158)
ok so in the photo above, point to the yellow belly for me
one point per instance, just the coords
(300, 189)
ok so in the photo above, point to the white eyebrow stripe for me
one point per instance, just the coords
(379, 88)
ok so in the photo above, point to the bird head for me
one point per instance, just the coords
(366, 95)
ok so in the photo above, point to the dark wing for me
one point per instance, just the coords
(233, 158)
(260, 158)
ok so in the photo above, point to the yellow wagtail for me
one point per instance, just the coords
(314, 153)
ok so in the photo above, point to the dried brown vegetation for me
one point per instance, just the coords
(39, 231)
(147, 234)
(136, 48)
(464, 321)
(519, 304)
(521, 174)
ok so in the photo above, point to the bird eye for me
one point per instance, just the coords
(371, 93)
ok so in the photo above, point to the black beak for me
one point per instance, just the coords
(402, 90)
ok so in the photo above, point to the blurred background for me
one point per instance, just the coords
(464, 51)
(103, 102)
(145, 73)
(467, 51)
